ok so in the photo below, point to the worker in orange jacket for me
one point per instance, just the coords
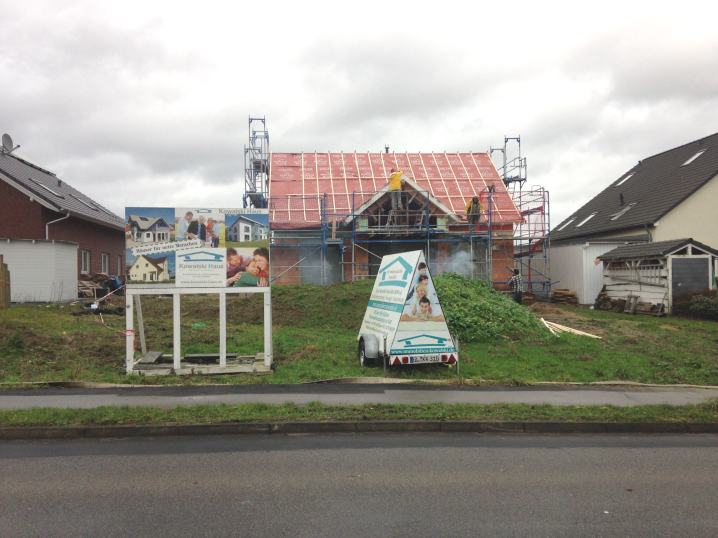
(474, 210)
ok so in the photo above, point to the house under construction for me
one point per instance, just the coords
(332, 220)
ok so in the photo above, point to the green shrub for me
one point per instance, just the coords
(475, 312)
(704, 306)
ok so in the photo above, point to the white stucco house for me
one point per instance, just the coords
(668, 196)
(148, 269)
(148, 229)
(246, 228)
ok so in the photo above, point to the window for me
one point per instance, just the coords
(83, 202)
(85, 262)
(105, 263)
(119, 266)
(584, 221)
(247, 237)
(623, 211)
(689, 161)
(567, 223)
(48, 189)
(624, 179)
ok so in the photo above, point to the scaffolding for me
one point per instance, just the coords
(531, 235)
(348, 246)
(256, 164)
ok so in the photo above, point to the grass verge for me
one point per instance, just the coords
(214, 414)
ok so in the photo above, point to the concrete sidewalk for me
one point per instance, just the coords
(354, 394)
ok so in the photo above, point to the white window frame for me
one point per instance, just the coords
(105, 263)
(85, 262)
(629, 176)
(567, 223)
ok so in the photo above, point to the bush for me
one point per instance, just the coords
(475, 312)
(704, 306)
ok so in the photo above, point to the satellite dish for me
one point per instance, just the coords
(7, 142)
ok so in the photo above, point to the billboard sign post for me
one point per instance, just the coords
(192, 251)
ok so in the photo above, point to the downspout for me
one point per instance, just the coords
(47, 226)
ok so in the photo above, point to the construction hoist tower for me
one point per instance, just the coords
(531, 235)
(256, 164)
(513, 170)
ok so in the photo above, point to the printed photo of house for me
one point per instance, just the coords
(246, 228)
(144, 226)
(150, 269)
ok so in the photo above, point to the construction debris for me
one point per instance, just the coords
(564, 296)
(629, 305)
(556, 329)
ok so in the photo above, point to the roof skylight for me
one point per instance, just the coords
(689, 161)
(83, 202)
(624, 179)
(623, 211)
(48, 189)
(584, 221)
(566, 224)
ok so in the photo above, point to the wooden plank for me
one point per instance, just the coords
(150, 357)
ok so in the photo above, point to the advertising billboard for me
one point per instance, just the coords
(197, 247)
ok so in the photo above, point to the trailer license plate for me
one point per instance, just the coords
(424, 358)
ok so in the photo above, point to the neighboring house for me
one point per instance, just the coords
(657, 273)
(36, 204)
(149, 269)
(148, 229)
(247, 229)
(668, 196)
(332, 218)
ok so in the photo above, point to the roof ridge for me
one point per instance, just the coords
(675, 148)
(33, 165)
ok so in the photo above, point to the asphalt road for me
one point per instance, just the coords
(362, 485)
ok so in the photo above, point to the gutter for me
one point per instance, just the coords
(47, 225)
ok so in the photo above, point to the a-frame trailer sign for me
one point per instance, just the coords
(404, 323)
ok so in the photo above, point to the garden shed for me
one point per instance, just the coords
(657, 273)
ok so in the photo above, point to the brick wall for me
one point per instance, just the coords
(22, 219)
(93, 237)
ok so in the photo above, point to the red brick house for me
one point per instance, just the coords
(332, 219)
(36, 204)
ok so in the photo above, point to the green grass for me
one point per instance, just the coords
(315, 331)
(213, 414)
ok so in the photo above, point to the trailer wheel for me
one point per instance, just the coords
(363, 359)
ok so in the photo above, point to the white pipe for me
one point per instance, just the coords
(47, 226)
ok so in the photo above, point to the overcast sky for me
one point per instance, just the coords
(146, 103)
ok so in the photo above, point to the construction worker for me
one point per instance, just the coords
(474, 210)
(396, 180)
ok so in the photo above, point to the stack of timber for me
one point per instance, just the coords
(630, 304)
(94, 287)
(4, 284)
(564, 296)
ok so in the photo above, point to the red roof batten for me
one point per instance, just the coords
(298, 179)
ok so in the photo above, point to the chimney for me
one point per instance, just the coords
(386, 149)
(621, 198)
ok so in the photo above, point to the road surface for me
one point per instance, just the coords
(362, 485)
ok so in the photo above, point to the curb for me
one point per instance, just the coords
(379, 426)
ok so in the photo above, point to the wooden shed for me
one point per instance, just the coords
(656, 273)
